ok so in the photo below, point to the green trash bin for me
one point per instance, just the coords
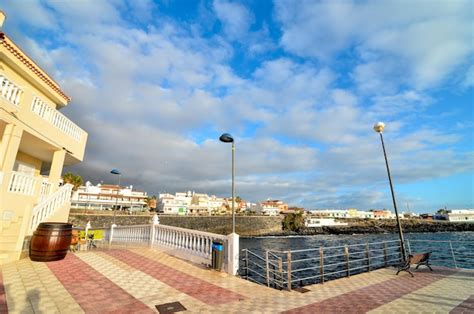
(217, 255)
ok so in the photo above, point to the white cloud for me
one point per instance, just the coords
(158, 96)
(417, 42)
(236, 19)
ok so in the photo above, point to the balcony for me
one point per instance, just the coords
(56, 118)
(28, 185)
(10, 91)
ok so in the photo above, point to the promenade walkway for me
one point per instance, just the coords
(137, 280)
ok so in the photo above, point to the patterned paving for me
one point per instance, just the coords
(136, 280)
(93, 291)
(192, 286)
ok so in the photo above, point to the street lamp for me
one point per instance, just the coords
(227, 138)
(379, 127)
(116, 172)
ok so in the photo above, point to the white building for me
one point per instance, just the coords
(458, 215)
(314, 222)
(106, 196)
(190, 203)
(266, 209)
(330, 213)
(173, 204)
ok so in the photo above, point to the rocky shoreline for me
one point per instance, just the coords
(384, 226)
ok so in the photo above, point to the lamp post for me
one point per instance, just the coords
(227, 138)
(116, 172)
(379, 127)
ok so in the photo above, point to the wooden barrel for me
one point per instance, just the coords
(50, 241)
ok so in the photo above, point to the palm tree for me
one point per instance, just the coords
(151, 202)
(74, 179)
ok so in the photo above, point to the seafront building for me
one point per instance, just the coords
(36, 141)
(108, 197)
(352, 213)
(461, 215)
(191, 203)
(201, 204)
(315, 222)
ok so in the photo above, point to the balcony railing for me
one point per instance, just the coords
(10, 91)
(49, 206)
(45, 189)
(56, 118)
(22, 183)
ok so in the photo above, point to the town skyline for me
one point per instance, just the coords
(299, 86)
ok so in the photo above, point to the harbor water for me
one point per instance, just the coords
(448, 249)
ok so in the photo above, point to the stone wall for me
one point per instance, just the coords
(105, 221)
(244, 225)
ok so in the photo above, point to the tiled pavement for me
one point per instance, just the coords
(135, 280)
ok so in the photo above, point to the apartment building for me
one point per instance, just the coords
(190, 203)
(108, 197)
(36, 141)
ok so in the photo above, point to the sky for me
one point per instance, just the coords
(298, 84)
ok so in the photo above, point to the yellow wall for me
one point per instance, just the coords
(34, 124)
(31, 161)
(29, 138)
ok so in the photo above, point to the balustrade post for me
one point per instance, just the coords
(346, 254)
(152, 234)
(111, 234)
(232, 252)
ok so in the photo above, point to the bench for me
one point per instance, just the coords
(417, 259)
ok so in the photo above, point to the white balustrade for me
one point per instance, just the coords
(192, 241)
(22, 183)
(186, 241)
(50, 205)
(45, 189)
(10, 91)
(56, 118)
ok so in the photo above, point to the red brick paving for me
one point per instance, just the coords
(373, 296)
(467, 306)
(192, 286)
(91, 290)
(3, 296)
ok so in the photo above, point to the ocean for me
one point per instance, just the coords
(449, 249)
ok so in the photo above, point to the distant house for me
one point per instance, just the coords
(191, 203)
(267, 209)
(383, 214)
(315, 222)
(458, 215)
(330, 213)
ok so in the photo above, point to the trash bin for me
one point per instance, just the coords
(217, 255)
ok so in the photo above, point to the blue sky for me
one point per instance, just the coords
(299, 84)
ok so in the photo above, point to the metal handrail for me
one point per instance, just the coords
(305, 266)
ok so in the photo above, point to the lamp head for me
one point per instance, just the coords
(226, 138)
(379, 127)
(115, 171)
